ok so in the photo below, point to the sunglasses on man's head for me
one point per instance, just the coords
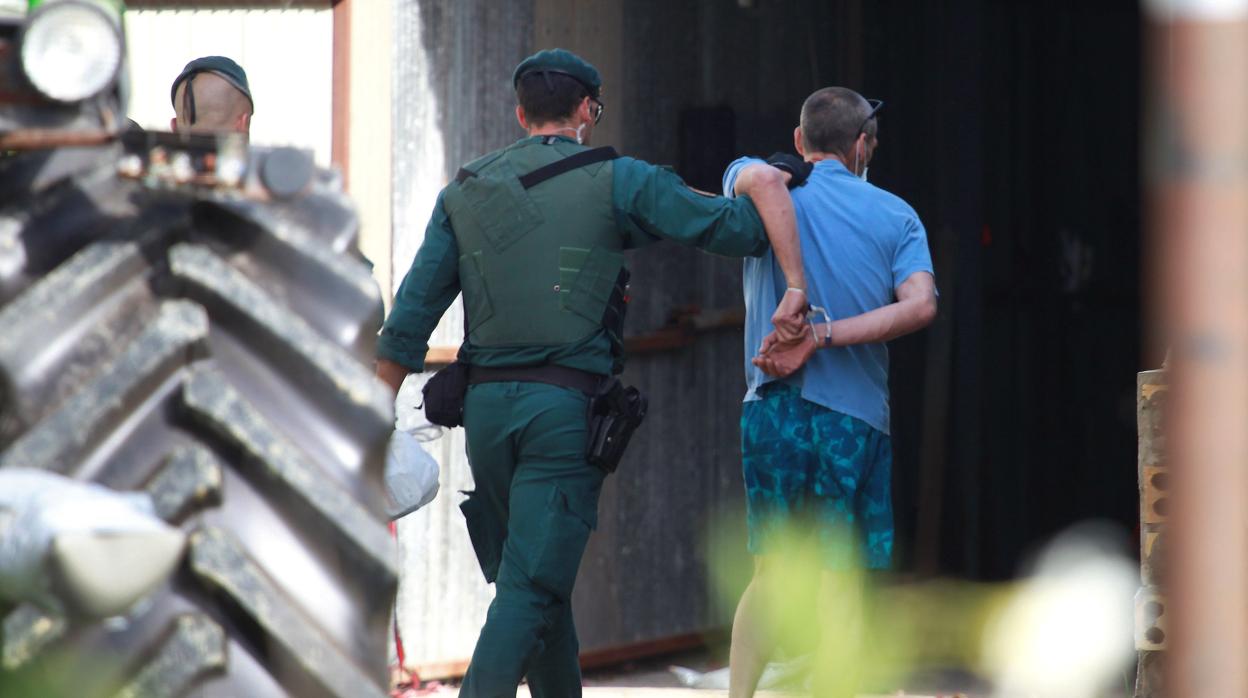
(875, 107)
(599, 108)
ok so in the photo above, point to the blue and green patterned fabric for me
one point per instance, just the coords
(812, 470)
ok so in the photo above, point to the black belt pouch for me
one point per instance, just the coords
(444, 395)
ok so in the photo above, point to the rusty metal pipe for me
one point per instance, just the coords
(44, 139)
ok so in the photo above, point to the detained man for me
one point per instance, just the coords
(816, 451)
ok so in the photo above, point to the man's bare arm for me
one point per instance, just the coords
(915, 309)
(765, 185)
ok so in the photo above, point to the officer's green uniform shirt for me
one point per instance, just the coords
(649, 203)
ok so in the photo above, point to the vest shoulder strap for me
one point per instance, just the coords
(584, 158)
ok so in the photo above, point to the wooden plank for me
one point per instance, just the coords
(440, 356)
(340, 148)
(608, 656)
(439, 671)
(680, 332)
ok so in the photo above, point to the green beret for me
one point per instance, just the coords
(557, 60)
(221, 66)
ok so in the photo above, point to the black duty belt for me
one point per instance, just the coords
(561, 376)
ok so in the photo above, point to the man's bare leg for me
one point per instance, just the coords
(837, 666)
(752, 641)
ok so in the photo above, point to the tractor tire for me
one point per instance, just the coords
(214, 351)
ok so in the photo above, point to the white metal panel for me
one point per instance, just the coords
(443, 596)
(288, 56)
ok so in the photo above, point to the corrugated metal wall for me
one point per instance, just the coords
(288, 56)
(971, 138)
(646, 575)
(452, 100)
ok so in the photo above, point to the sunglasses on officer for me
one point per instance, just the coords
(598, 109)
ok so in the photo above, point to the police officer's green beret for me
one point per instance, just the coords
(223, 67)
(557, 60)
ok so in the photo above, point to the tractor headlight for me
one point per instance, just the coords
(71, 50)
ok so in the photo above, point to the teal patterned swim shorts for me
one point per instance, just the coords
(814, 469)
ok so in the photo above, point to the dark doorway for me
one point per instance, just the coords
(1013, 129)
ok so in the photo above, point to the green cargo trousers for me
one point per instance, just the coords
(529, 518)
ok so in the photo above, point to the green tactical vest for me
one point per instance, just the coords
(540, 266)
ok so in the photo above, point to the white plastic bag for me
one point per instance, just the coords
(411, 475)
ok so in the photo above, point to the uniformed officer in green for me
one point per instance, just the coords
(533, 236)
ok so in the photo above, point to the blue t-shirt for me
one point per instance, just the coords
(859, 243)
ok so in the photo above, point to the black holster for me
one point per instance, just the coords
(615, 412)
(444, 395)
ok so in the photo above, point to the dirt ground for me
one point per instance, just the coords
(653, 678)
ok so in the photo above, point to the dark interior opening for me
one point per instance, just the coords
(1013, 129)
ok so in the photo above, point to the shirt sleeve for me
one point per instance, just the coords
(734, 171)
(652, 203)
(428, 289)
(912, 254)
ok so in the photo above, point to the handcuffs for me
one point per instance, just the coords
(813, 311)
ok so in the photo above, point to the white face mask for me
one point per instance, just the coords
(863, 174)
(577, 131)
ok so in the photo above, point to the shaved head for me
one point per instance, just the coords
(213, 105)
(832, 118)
